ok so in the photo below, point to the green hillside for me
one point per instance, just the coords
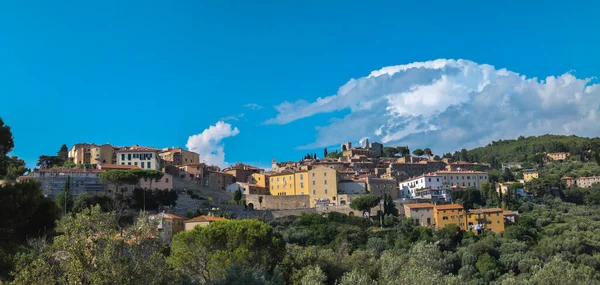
(527, 149)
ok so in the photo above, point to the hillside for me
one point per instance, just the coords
(524, 149)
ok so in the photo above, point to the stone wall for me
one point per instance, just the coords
(278, 202)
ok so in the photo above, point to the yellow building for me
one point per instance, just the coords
(530, 174)
(102, 154)
(282, 184)
(558, 155)
(481, 220)
(449, 214)
(178, 156)
(301, 182)
(260, 179)
(322, 186)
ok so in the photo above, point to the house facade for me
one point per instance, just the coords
(144, 157)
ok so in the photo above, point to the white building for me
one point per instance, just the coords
(423, 182)
(463, 178)
(145, 158)
(231, 188)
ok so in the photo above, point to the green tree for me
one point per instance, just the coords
(364, 204)
(118, 178)
(149, 175)
(418, 152)
(91, 249)
(7, 142)
(314, 276)
(63, 152)
(428, 152)
(325, 152)
(204, 253)
(507, 175)
(26, 214)
(389, 208)
(64, 199)
(389, 151)
(49, 161)
(237, 195)
(403, 150)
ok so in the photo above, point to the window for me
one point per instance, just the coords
(142, 164)
(149, 165)
(468, 177)
(313, 182)
(129, 156)
(452, 217)
(325, 174)
(122, 156)
(437, 179)
(325, 191)
(272, 180)
(301, 193)
(313, 175)
(277, 186)
(429, 179)
(314, 192)
(301, 176)
(135, 163)
(445, 218)
(167, 180)
(497, 222)
(497, 214)
(417, 221)
(129, 163)
(301, 184)
(272, 187)
(325, 182)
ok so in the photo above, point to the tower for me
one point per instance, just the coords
(346, 146)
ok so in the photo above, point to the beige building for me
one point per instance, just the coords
(169, 225)
(165, 183)
(242, 172)
(178, 156)
(463, 178)
(587, 182)
(422, 213)
(379, 186)
(191, 171)
(558, 155)
(92, 154)
(201, 221)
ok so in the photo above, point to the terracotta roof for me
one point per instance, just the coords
(419, 205)
(138, 149)
(171, 216)
(510, 213)
(66, 170)
(461, 172)
(117, 166)
(193, 164)
(205, 219)
(449, 207)
(490, 210)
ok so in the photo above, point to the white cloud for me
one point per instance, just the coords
(253, 106)
(209, 143)
(450, 104)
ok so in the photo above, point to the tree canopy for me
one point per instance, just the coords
(364, 203)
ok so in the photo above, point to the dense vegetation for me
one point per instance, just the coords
(527, 149)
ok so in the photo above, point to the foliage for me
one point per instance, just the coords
(364, 203)
(26, 214)
(389, 208)
(49, 161)
(7, 142)
(469, 198)
(63, 152)
(119, 178)
(64, 199)
(237, 195)
(418, 152)
(92, 250)
(529, 149)
(154, 199)
(204, 253)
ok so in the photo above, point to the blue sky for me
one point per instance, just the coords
(157, 72)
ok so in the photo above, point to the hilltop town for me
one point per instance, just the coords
(362, 201)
